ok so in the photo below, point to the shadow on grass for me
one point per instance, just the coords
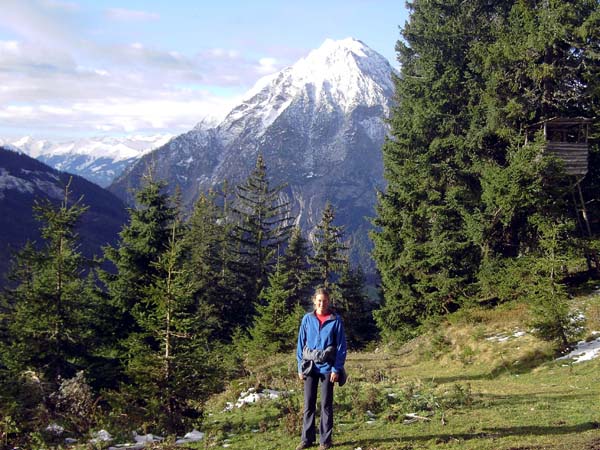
(486, 433)
(583, 283)
(531, 398)
(526, 364)
(530, 361)
(456, 378)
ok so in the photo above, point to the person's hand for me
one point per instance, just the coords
(333, 377)
(301, 376)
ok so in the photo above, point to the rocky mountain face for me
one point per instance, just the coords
(99, 160)
(24, 180)
(319, 125)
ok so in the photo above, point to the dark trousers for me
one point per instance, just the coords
(310, 400)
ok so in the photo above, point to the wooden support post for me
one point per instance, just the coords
(588, 228)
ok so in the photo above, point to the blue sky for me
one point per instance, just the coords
(70, 68)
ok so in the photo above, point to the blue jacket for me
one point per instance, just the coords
(315, 337)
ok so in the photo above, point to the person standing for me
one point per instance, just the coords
(321, 354)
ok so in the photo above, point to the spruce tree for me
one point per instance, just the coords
(422, 250)
(263, 226)
(540, 66)
(52, 314)
(295, 262)
(276, 323)
(353, 305)
(169, 360)
(206, 239)
(142, 242)
(329, 251)
(552, 317)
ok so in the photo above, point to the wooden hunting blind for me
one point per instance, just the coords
(567, 139)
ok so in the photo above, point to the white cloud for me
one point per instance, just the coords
(267, 65)
(64, 5)
(7, 47)
(131, 15)
(40, 22)
(222, 53)
(119, 114)
(53, 76)
(23, 59)
(55, 110)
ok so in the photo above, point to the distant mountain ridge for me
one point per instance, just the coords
(319, 125)
(99, 160)
(24, 180)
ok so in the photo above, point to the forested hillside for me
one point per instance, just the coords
(473, 212)
(25, 181)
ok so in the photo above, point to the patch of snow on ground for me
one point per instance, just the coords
(101, 436)
(192, 436)
(503, 337)
(584, 351)
(140, 442)
(251, 396)
(55, 429)
(139, 446)
(143, 438)
(228, 406)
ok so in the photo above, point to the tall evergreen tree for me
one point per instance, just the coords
(169, 359)
(276, 323)
(52, 313)
(295, 262)
(539, 66)
(473, 77)
(421, 249)
(329, 249)
(142, 241)
(263, 226)
(353, 305)
(219, 284)
(205, 239)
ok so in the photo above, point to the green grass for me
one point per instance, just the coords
(477, 393)
(553, 406)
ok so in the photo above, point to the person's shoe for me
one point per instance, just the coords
(302, 445)
(325, 446)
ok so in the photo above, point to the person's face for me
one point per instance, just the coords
(321, 303)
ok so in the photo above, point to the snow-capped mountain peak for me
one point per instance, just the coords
(116, 149)
(319, 126)
(338, 75)
(98, 159)
(30, 146)
(342, 63)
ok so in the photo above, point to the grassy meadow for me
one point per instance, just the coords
(477, 380)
